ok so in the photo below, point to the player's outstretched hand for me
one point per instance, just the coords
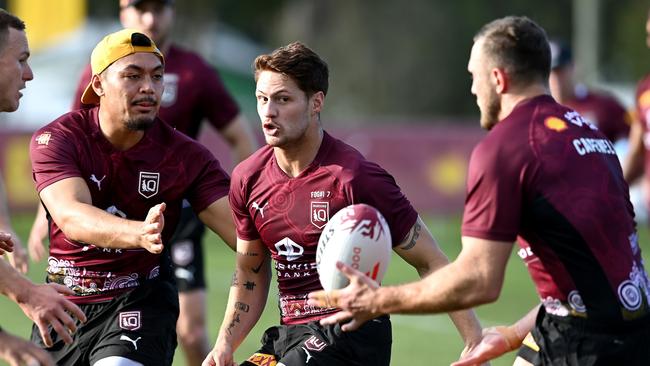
(493, 344)
(45, 306)
(355, 300)
(18, 258)
(17, 352)
(220, 356)
(6, 243)
(152, 229)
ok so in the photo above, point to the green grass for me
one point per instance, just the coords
(417, 340)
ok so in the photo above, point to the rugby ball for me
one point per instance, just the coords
(358, 235)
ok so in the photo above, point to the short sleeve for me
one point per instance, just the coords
(372, 185)
(211, 182)
(493, 204)
(244, 224)
(53, 156)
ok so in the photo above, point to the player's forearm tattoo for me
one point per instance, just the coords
(248, 254)
(242, 307)
(412, 236)
(250, 286)
(257, 270)
(235, 280)
(233, 322)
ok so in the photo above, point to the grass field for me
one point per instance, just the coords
(417, 340)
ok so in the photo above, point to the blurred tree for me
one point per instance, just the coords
(393, 58)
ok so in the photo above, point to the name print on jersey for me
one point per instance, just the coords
(148, 184)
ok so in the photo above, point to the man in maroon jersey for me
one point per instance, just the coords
(546, 177)
(637, 161)
(282, 197)
(193, 93)
(598, 108)
(113, 179)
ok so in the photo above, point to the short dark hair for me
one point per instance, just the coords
(519, 45)
(298, 62)
(8, 20)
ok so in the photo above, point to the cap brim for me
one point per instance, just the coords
(89, 96)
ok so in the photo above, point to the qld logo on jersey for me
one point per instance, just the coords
(319, 213)
(129, 320)
(148, 184)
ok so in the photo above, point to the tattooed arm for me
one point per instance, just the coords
(421, 250)
(248, 293)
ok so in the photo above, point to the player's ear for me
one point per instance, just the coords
(317, 101)
(96, 84)
(499, 80)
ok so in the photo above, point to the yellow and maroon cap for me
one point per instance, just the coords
(112, 48)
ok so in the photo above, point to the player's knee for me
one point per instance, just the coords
(116, 361)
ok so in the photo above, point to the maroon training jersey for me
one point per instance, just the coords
(165, 166)
(193, 92)
(602, 110)
(547, 176)
(288, 214)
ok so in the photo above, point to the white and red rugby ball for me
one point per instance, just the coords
(359, 236)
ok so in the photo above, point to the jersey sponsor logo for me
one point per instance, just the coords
(630, 295)
(555, 306)
(309, 356)
(262, 359)
(94, 179)
(319, 213)
(170, 81)
(129, 320)
(44, 138)
(256, 206)
(555, 124)
(315, 344)
(134, 341)
(148, 184)
(290, 249)
(575, 300)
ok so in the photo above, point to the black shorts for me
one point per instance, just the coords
(139, 325)
(187, 251)
(314, 345)
(574, 341)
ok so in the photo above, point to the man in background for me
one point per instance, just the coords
(43, 304)
(193, 93)
(598, 108)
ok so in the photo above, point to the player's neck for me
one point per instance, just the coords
(510, 100)
(116, 132)
(295, 158)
